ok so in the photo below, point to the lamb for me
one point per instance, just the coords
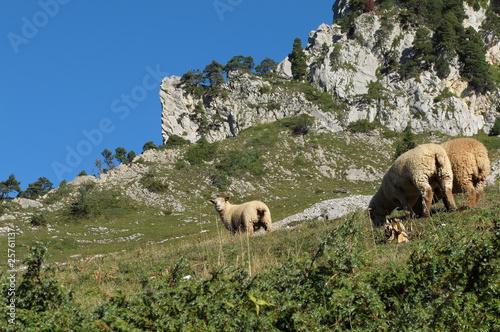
(413, 175)
(470, 165)
(246, 217)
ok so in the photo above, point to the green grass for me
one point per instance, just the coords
(335, 264)
(285, 176)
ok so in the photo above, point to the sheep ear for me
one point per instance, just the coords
(211, 201)
(227, 198)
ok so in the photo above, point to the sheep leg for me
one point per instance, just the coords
(471, 194)
(249, 227)
(448, 200)
(478, 190)
(427, 195)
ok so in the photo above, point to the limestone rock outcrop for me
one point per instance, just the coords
(350, 67)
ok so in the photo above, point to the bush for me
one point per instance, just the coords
(39, 219)
(362, 126)
(202, 151)
(495, 131)
(149, 146)
(92, 202)
(407, 143)
(236, 162)
(175, 141)
(151, 182)
(300, 125)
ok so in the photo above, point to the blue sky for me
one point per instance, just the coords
(78, 77)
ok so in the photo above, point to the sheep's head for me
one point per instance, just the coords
(220, 203)
(377, 216)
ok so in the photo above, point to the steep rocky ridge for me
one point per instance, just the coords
(345, 65)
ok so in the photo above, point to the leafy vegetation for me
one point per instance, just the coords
(496, 127)
(298, 59)
(93, 202)
(362, 126)
(8, 186)
(337, 275)
(151, 181)
(407, 143)
(234, 163)
(175, 141)
(201, 151)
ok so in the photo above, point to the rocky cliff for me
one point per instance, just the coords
(348, 65)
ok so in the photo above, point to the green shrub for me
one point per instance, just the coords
(300, 125)
(93, 202)
(236, 162)
(407, 143)
(272, 106)
(175, 141)
(264, 89)
(322, 99)
(80, 207)
(362, 126)
(447, 281)
(39, 219)
(202, 151)
(149, 146)
(151, 182)
(495, 131)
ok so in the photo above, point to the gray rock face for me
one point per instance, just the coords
(347, 65)
(27, 203)
(351, 62)
(250, 101)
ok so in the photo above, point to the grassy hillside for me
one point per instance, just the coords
(136, 235)
(161, 198)
(326, 275)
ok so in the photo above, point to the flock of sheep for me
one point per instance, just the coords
(427, 173)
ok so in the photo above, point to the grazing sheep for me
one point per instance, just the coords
(470, 165)
(246, 217)
(413, 175)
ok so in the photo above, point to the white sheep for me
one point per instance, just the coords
(246, 217)
(470, 165)
(414, 174)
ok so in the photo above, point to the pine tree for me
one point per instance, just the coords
(148, 146)
(266, 67)
(406, 144)
(108, 159)
(8, 186)
(476, 69)
(239, 62)
(448, 34)
(213, 74)
(424, 49)
(121, 155)
(192, 81)
(298, 58)
(38, 188)
(130, 156)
